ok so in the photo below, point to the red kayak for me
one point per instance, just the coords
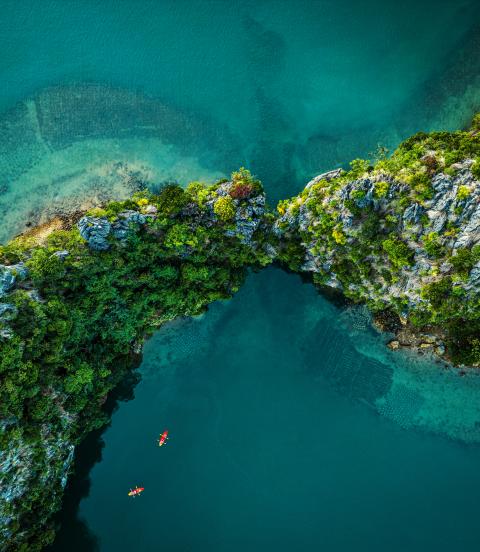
(136, 491)
(163, 438)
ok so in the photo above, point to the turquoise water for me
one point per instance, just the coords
(288, 88)
(276, 441)
(291, 423)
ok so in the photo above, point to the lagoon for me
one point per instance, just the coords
(279, 438)
(291, 423)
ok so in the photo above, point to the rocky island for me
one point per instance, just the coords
(77, 299)
(401, 235)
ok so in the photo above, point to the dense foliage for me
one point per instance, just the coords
(393, 233)
(399, 233)
(75, 320)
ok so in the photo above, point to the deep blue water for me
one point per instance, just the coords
(291, 423)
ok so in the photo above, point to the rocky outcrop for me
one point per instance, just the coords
(23, 466)
(446, 207)
(402, 236)
(246, 218)
(9, 274)
(248, 212)
(383, 239)
(206, 238)
(329, 175)
(97, 230)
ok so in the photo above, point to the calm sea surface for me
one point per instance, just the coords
(292, 426)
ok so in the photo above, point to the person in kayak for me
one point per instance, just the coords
(136, 492)
(163, 438)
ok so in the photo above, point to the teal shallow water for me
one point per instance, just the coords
(292, 425)
(287, 88)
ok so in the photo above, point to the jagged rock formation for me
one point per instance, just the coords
(96, 230)
(402, 235)
(417, 226)
(111, 279)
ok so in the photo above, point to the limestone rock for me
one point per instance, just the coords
(150, 210)
(7, 280)
(62, 254)
(329, 175)
(95, 230)
(9, 274)
(6, 311)
(413, 213)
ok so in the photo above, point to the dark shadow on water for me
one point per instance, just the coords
(74, 534)
(333, 295)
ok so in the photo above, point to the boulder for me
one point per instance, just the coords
(470, 234)
(95, 231)
(465, 164)
(443, 200)
(473, 283)
(150, 210)
(440, 349)
(394, 344)
(413, 213)
(441, 183)
(438, 219)
(132, 216)
(122, 226)
(7, 279)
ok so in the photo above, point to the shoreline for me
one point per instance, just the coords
(82, 291)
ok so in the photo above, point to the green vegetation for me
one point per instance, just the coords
(398, 252)
(381, 189)
(463, 192)
(243, 184)
(224, 208)
(357, 234)
(70, 328)
(433, 246)
(463, 260)
(72, 340)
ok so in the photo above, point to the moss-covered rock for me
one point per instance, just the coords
(401, 234)
(74, 309)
